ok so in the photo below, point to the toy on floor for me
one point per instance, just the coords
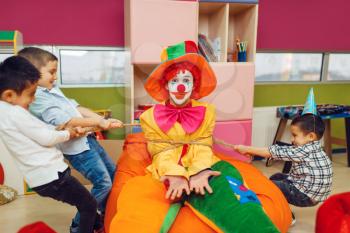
(2, 175)
(37, 227)
(333, 216)
(7, 194)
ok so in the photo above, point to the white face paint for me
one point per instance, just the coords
(180, 87)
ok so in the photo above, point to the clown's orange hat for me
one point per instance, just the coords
(186, 51)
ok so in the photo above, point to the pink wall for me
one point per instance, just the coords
(313, 25)
(310, 25)
(65, 22)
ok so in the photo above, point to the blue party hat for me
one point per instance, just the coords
(310, 105)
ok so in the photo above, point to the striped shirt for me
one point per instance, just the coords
(311, 171)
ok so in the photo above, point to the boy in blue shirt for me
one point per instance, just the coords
(53, 107)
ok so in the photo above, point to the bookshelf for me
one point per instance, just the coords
(10, 42)
(152, 25)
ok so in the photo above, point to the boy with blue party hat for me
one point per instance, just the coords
(310, 178)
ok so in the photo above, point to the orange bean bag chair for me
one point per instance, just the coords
(135, 159)
(333, 216)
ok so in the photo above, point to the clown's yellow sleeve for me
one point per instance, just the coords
(203, 156)
(165, 157)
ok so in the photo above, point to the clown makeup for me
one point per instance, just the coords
(180, 87)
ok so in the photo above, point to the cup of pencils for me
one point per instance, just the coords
(242, 50)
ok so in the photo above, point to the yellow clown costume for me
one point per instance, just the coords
(179, 141)
(166, 157)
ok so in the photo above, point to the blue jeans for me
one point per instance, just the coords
(291, 193)
(96, 166)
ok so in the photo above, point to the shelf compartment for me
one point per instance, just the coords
(151, 25)
(243, 25)
(233, 96)
(213, 23)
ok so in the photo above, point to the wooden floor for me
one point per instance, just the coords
(31, 208)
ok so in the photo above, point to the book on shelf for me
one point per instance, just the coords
(206, 49)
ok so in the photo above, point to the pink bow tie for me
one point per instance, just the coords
(189, 117)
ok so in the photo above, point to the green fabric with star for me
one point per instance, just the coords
(223, 208)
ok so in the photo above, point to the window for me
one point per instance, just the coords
(279, 67)
(92, 66)
(48, 48)
(339, 67)
(3, 56)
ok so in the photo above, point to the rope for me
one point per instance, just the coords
(174, 143)
(178, 143)
(223, 143)
(93, 129)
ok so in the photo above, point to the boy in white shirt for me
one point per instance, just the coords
(85, 154)
(32, 142)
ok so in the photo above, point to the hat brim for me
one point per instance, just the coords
(155, 86)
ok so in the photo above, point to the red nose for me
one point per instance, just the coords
(181, 88)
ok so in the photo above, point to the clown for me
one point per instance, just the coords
(180, 89)
(184, 167)
(180, 84)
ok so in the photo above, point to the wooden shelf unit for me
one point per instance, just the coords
(151, 25)
(10, 42)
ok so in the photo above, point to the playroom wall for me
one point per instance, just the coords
(310, 26)
(314, 26)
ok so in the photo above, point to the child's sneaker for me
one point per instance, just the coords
(98, 226)
(101, 230)
(74, 228)
(293, 220)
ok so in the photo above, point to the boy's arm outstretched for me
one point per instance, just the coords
(250, 150)
(54, 114)
(88, 113)
(285, 153)
(40, 132)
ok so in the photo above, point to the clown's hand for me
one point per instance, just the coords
(199, 182)
(177, 184)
